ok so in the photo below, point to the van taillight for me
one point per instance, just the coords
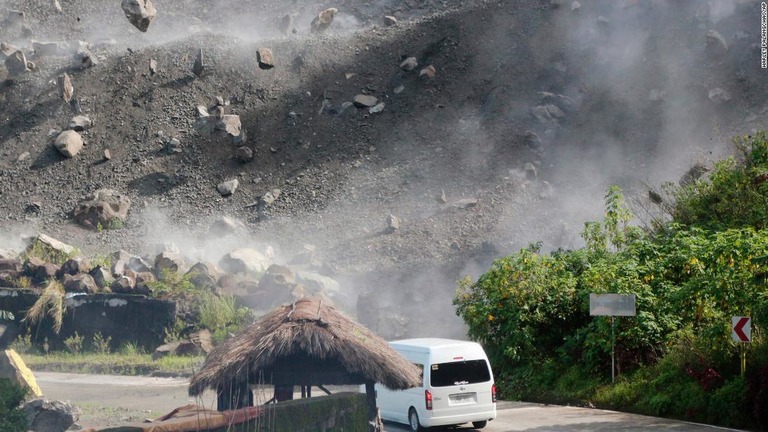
(428, 399)
(493, 393)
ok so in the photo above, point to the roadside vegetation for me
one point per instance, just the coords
(98, 358)
(12, 416)
(702, 260)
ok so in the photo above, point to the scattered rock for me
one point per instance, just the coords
(139, 265)
(230, 123)
(69, 143)
(264, 57)
(379, 107)
(16, 63)
(123, 285)
(575, 6)
(83, 57)
(107, 155)
(227, 188)
(286, 24)
(49, 48)
(225, 225)
(203, 275)
(323, 20)
(140, 13)
(389, 20)
(50, 416)
(244, 154)
(13, 367)
(244, 261)
(169, 263)
(80, 283)
(80, 123)
(66, 91)
(74, 266)
(393, 224)
(464, 203)
(7, 49)
(694, 173)
(173, 146)
(199, 67)
(719, 95)
(152, 66)
(51, 247)
(365, 101)
(428, 72)
(548, 113)
(530, 171)
(409, 64)
(105, 208)
(11, 265)
(716, 42)
(102, 277)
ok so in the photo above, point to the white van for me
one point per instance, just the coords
(457, 386)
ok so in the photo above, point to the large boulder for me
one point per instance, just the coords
(50, 416)
(80, 283)
(140, 13)
(102, 276)
(168, 263)
(244, 260)
(69, 143)
(50, 248)
(14, 368)
(74, 266)
(277, 284)
(105, 208)
(203, 275)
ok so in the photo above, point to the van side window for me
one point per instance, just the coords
(421, 372)
(459, 373)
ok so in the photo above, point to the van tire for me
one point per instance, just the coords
(479, 424)
(413, 421)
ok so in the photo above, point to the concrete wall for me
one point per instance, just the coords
(124, 318)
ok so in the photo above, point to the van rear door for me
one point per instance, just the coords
(460, 386)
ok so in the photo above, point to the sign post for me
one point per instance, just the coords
(741, 331)
(612, 305)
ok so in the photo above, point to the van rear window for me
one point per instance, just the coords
(459, 373)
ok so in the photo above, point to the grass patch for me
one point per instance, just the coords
(113, 364)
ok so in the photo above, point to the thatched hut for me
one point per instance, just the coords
(307, 343)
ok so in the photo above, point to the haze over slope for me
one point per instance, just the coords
(634, 84)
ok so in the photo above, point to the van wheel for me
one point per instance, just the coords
(413, 421)
(480, 424)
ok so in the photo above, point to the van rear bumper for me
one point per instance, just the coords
(446, 420)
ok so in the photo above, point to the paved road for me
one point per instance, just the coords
(156, 396)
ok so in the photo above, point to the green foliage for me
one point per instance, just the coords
(734, 196)
(74, 343)
(100, 344)
(675, 357)
(172, 284)
(22, 344)
(131, 349)
(121, 363)
(221, 315)
(12, 417)
(40, 250)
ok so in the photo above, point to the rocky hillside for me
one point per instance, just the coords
(404, 151)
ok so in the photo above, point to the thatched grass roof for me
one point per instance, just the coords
(307, 343)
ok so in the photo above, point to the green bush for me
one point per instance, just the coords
(221, 315)
(12, 417)
(690, 276)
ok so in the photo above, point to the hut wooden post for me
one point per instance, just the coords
(373, 420)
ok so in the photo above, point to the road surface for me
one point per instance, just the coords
(113, 400)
